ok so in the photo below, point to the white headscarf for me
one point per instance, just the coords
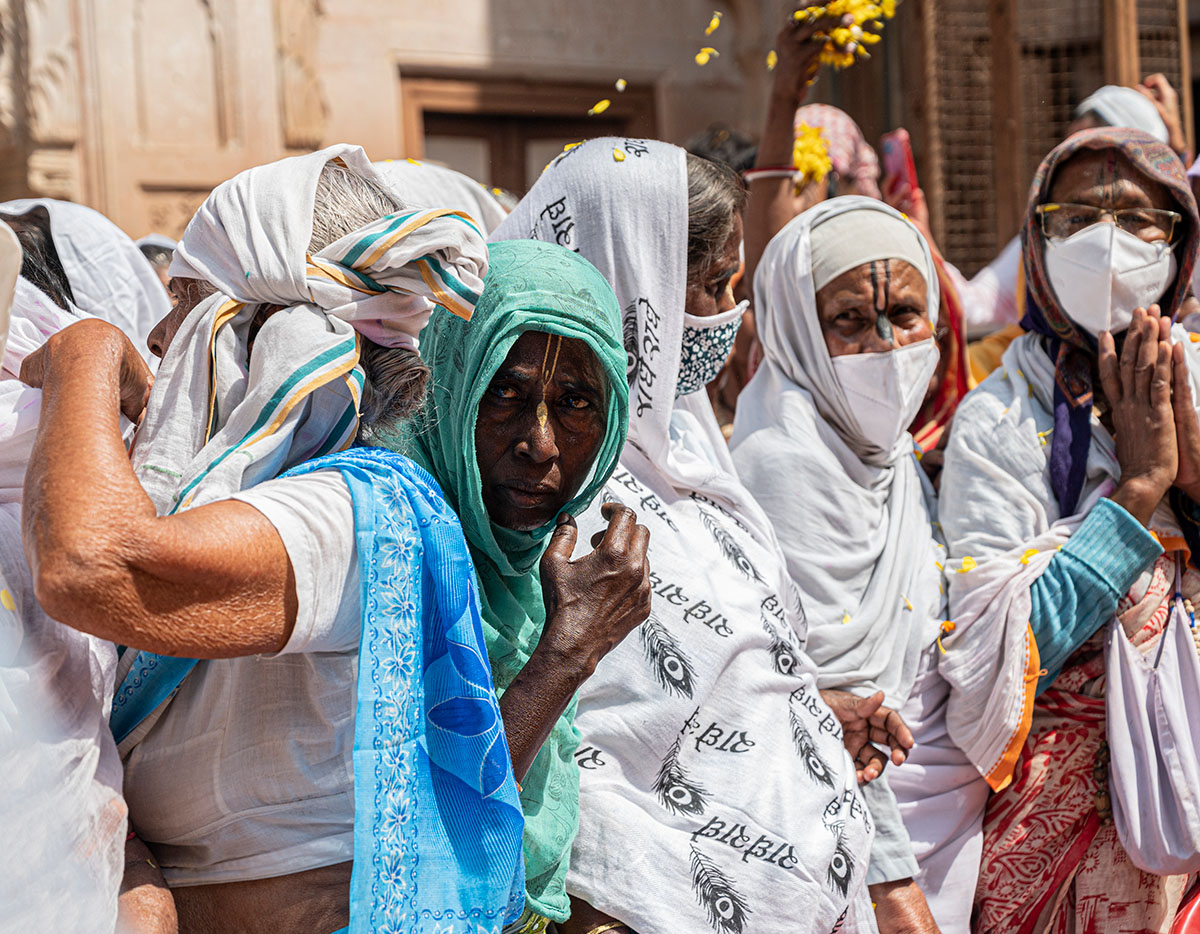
(1125, 107)
(721, 658)
(60, 777)
(853, 520)
(427, 185)
(109, 276)
(298, 398)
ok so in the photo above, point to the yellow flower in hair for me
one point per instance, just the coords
(810, 155)
(705, 54)
(713, 23)
(599, 107)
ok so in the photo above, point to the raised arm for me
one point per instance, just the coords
(772, 201)
(210, 582)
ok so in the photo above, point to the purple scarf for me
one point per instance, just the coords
(1072, 349)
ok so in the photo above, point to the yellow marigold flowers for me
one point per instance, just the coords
(844, 45)
(772, 60)
(621, 84)
(810, 156)
(968, 564)
(618, 156)
(713, 23)
(706, 53)
(599, 107)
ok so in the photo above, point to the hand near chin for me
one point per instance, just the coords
(865, 721)
(596, 601)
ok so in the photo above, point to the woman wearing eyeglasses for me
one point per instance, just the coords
(1069, 497)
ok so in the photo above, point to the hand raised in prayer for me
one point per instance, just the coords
(94, 343)
(1187, 426)
(595, 602)
(866, 721)
(1138, 390)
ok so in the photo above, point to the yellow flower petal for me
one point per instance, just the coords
(621, 84)
(968, 564)
(907, 603)
(845, 617)
(599, 107)
(773, 60)
(713, 23)
(1029, 553)
(705, 54)
(618, 156)
(6, 601)
(571, 146)
(413, 161)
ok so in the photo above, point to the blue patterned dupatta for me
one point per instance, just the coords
(437, 820)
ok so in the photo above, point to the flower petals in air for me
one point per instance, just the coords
(599, 107)
(772, 60)
(706, 53)
(713, 23)
(621, 84)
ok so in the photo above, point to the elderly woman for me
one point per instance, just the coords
(526, 418)
(84, 261)
(847, 299)
(715, 792)
(338, 755)
(1069, 476)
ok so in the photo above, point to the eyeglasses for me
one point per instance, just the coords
(1151, 224)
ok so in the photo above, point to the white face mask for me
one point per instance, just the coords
(707, 343)
(886, 390)
(1102, 273)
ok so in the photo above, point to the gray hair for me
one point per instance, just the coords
(715, 196)
(396, 379)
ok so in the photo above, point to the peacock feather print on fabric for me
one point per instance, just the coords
(783, 656)
(841, 864)
(726, 908)
(675, 792)
(817, 768)
(671, 667)
(729, 548)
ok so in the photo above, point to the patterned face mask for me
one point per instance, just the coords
(707, 343)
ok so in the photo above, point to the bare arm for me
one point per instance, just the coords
(772, 201)
(591, 605)
(211, 582)
(145, 905)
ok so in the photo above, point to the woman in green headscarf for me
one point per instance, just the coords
(526, 416)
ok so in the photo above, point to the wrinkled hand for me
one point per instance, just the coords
(1138, 388)
(799, 52)
(866, 721)
(595, 602)
(92, 342)
(1165, 99)
(900, 908)
(1187, 426)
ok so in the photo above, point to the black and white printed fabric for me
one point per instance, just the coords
(715, 792)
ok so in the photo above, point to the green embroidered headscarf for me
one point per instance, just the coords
(530, 286)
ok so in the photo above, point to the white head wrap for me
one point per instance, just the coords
(852, 238)
(724, 642)
(853, 521)
(109, 276)
(162, 241)
(1125, 107)
(298, 397)
(427, 185)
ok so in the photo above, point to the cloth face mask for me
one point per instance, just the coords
(886, 390)
(707, 343)
(1102, 273)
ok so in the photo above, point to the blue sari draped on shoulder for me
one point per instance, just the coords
(437, 820)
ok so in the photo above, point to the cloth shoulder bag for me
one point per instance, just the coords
(1153, 725)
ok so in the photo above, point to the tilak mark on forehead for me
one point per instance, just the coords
(881, 286)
